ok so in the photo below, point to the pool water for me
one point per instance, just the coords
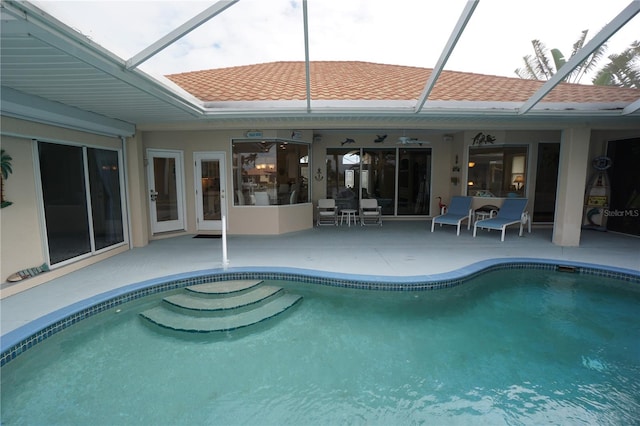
(509, 347)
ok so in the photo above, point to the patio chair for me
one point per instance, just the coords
(370, 212)
(511, 213)
(457, 212)
(262, 199)
(327, 212)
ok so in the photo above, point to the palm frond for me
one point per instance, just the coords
(543, 64)
(528, 72)
(622, 70)
(558, 58)
(5, 164)
(579, 43)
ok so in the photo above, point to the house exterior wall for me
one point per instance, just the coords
(260, 220)
(251, 220)
(22, 238)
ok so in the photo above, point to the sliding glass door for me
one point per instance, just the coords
(82, 197)
(414, 176)
(399, 179)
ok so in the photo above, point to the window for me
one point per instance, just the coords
(397, 178)
(379, 176)
(81, 190)
(343, 177)
(497, 172)
(270, 172)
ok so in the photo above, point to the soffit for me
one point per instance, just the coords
(48, 60)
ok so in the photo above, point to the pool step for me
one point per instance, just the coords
(175, 321)
(220, 306)
(188, 301)
(224, 287)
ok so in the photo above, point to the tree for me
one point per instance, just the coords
(540, 67)
(623, 70)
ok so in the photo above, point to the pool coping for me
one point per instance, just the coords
(23, 338)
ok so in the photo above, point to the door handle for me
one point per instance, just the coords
(153, 195)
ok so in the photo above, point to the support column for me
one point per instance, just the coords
(137, 192)
(572, 177)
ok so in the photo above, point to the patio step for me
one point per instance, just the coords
(169, 319)
(192, 302)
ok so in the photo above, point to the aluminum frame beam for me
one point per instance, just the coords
(631, 108)
(179, 32)
(305, 17)
(468, 10)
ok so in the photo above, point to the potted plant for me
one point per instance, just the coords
(5, 162)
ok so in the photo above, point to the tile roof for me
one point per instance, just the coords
(353, 80)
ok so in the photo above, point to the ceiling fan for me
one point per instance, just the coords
(406, 140)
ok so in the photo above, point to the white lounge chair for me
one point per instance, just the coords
(327, 212)
(512, 212)
(262, 199)
(458, 211)
(370, 212)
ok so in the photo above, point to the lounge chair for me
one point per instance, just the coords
(511, 213)
(370, 212)
(458, 211)
(327, 212)
(262, 199)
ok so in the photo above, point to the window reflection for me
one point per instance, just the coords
(106, 207)
(343, 177)
(497, 171)
(65, 201)
(378, 177)
(270, 172)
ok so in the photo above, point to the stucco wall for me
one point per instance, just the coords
(241, 219)
(21, 240)
(22, 233)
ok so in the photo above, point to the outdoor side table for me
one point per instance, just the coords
(349, 215)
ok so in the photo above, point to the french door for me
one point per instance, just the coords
(166, 190)
(210, 188)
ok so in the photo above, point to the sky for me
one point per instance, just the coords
(400, 32)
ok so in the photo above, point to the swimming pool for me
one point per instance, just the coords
(507, 347)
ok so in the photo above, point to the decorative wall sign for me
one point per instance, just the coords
(6, 171)
(254, 134)
(482, 139)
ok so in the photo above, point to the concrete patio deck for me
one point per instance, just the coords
(397, 249)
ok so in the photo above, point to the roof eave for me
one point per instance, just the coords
(383, 107)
